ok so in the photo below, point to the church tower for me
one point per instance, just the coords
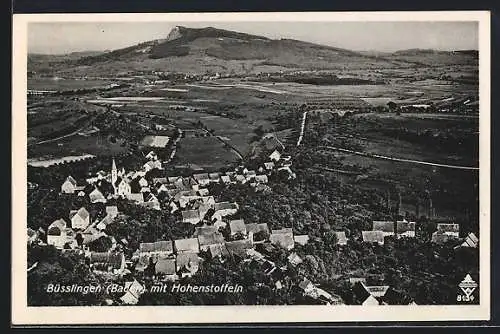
(114, 173)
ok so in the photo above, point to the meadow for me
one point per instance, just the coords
(64, 84)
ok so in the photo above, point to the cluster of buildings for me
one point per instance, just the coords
(81, 230)
(405, 229)
(382, 229)
(217, 235)
(375, 295)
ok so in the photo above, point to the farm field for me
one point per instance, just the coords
(64, 84)
(76, 145)
(207, 152)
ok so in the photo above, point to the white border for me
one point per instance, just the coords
(24, 315)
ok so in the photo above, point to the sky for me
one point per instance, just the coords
(66, 37)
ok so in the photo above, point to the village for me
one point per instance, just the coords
(217, 237)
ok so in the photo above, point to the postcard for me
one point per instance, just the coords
(250, 167)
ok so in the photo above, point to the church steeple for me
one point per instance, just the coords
(114, 172)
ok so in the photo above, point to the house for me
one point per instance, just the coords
(166, 267)
(225, 179)
(294, 259)
(275, 156)
(91, 234)
(143, 182)
(208, 236)
(214, 177)
(269, 165)
(470, 241)
(107, 262)
(190, 182)
(322, 296)
(122, 187)
(387, 227)
(306, 286)
(289, 173)
(441, 238)
(156, 249)
(96, 196)
(136, 174)
(151, 201)
(187, 245)
(225, 209)
(152, 164)
(261, 179)
(158, 181)
(185, 196)
(143, 262)
(301, 239)
(69, 185)
(354, 280)
(81, 194)
(176, 180)
(341, 238)
(202, 179)
(112, 210)
(108, 220)
(254, 255)
(191, 217)
(218, 251)
(362, 296)
(218, 222)
(203, 192)
(134, 291)
(80, 219)
(373, 236)
(237, 227)
(240, 178)
(173, 207)
(405, 229)
(395, 297)
(163, 188)
(151, 156)
(453, 230)
(257, 232)
(239, 247)
(135, 197)
(59, 235)
(250, 175)
(203, 210)
(187, 264)
(282, 238)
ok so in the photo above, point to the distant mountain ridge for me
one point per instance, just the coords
(217, 50)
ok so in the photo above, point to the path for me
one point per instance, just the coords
(224, 142)
(61, 137)
(377, 156)
(302, 127)
(174, 150)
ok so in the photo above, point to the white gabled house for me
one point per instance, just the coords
(69, 186)
(80, 219)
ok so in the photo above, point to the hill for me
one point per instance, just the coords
(210, 50)
(436, 57)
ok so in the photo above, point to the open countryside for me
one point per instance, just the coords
(307, 174)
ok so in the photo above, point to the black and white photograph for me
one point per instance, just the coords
(258, 160)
